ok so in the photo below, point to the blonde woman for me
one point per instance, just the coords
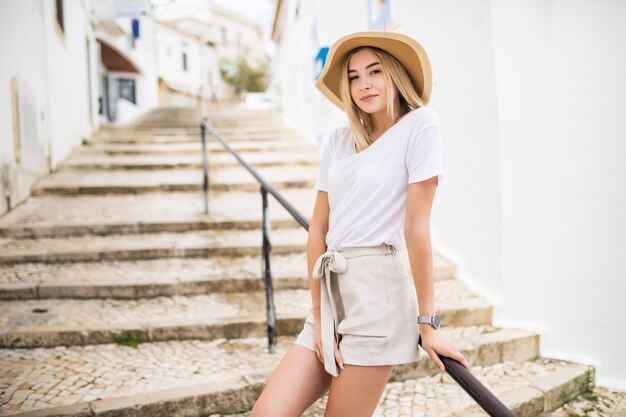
(375, 190)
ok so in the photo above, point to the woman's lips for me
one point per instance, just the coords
(369, 98)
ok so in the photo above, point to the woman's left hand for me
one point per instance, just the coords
(433, 342)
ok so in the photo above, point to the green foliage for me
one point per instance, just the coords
(590, 396)
(129, 339)
(246, 78)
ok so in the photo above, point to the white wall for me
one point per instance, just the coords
(294, 68)
(53, 83)
(467, 212)
(560, 69)
(531, 96)
(66, 79)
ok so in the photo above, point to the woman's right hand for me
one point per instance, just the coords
(318, 345)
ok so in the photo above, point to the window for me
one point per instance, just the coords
(184, 61)
(127, 89)
(59, 15)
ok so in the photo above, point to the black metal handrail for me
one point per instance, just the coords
(470, 384)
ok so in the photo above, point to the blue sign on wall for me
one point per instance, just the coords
(320, 61)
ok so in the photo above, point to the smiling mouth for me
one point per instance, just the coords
(368, 98)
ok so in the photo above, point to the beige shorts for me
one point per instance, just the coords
(376, 307)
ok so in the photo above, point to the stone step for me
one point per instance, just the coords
(147, 131)
(141, 138)
(72, 182)
(150, 246)
(200, 378)
(163, 161)
(52, 322)
(173, 276)
(530, 388)
(254, 131)
(229, 135)
(598, 401)
(196, 148)
(62, 216)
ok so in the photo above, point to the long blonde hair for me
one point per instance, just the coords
(395, 77)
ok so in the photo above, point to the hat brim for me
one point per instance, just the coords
(404, 48)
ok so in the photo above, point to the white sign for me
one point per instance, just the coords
(109, 9)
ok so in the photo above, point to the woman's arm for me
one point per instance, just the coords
(420, 198)
(417, 235)
(316, 245)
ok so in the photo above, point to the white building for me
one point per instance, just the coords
(531, 97)
(186, 62)
(48, 89)
(238, 36)
(128, 84)
(229, 35)
(79, 66)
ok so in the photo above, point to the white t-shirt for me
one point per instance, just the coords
(367, 191)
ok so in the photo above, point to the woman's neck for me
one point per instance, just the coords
(381, 121)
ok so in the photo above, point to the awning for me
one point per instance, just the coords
(114, 60)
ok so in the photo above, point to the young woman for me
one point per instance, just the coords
(376, 186)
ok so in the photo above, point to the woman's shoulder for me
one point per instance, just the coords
(341, 134)
(423, 117)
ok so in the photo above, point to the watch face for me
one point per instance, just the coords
(436, 320)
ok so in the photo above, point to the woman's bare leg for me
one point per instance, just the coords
(357, 390)
(298, 381)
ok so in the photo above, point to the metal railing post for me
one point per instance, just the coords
(267, 276)
(205, 166)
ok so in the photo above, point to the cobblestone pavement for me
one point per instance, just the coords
(256, 159)
(97, 312)
(151, 207)
(39, 378)
(230, 134)
(417, 398)
(71, 178)
(174, 269)
(599, 402)
(94, 313)
(175, 148)
(155, 271)
(120, 246)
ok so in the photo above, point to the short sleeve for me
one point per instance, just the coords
(424, 156)
(322, 179)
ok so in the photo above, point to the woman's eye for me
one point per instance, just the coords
(355, 77)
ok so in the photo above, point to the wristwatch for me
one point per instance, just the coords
(433, 320)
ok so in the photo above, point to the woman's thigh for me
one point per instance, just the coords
(298, 381)
(357, 390)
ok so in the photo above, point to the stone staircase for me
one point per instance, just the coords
(121, 297)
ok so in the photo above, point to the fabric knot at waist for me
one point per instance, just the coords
(335, 261)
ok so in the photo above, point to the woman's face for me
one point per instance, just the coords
(367, 84)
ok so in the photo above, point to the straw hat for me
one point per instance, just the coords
(406, 50)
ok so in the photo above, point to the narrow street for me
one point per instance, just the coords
(121, 295)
